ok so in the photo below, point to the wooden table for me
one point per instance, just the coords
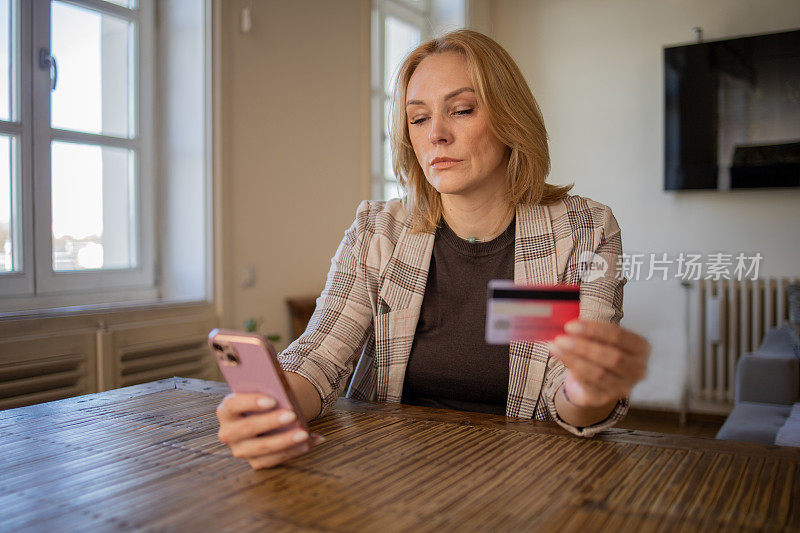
(147, 457)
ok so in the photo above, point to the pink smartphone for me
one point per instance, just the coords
(249, 363)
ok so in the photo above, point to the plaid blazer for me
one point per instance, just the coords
(373, 295)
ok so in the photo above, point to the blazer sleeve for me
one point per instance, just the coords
(601, 301)
(341, 323)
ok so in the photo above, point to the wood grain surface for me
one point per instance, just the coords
(147, 458)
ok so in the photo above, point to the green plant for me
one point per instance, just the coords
(253, 325)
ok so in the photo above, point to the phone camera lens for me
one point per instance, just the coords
(217, 347)
(232, 358)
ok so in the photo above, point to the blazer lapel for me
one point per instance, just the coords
(534, 251)
(402, 288)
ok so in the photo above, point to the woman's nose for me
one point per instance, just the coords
(439, 132)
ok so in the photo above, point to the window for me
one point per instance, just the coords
(398, 26)
(76, 146)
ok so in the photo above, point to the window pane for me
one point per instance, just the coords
(391, 189)
(418, 4)
(387, 114)
(8, 229)
(93, 195)
(401, 38)
(95, 86)
(5, 60)
(388, 171)
(124, 3)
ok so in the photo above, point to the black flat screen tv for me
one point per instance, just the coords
(732, 113)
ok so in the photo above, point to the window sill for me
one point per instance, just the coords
(94, 311)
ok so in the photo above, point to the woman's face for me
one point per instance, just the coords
(452, 141)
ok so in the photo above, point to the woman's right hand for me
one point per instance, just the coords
(241, 432)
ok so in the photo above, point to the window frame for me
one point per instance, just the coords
(20, 281)
(37, 284)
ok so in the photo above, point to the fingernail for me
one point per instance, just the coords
(287, 417)
(266, 403)
(574, 327)
(300, 436)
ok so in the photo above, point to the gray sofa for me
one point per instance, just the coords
(767, 401)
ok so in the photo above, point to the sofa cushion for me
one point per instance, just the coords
(768, 378)
(754, 422)
(789, 433)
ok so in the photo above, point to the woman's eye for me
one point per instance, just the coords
(419, 120)
(466, 111)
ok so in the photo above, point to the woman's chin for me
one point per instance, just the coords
(448, 185)
(457, 189)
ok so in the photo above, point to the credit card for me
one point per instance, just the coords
(529, 312)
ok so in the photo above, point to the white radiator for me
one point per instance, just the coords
(727, 319)
(49, 358)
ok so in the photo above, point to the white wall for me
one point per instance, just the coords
(595, 66)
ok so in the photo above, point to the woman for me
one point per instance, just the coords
(405, 297)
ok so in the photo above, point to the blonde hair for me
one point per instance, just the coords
(512, 114)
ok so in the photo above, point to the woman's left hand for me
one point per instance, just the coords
(604, 361)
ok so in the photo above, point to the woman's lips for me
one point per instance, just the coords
(441, 163)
